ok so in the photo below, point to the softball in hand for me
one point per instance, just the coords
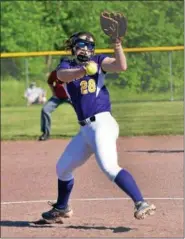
(91, 68)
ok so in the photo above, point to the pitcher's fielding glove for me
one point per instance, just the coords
(114, 25)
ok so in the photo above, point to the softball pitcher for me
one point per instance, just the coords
(84, 82)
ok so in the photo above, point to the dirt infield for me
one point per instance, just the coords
(100, 208)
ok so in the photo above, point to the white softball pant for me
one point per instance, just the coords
(98, 137)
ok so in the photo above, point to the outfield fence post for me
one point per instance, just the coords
(171, 76)
(26, 72)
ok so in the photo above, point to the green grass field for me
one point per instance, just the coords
(118, 94)
(147, 118)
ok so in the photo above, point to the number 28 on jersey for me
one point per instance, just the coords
(87, 86)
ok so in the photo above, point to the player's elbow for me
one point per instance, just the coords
(123, 67)
(61, 76)
(58, 73)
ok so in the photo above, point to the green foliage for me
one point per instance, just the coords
(22, 26)
(151, 72)
(45, 25)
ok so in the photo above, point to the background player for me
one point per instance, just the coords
(58, 97)
(84, 77)
(35, 95)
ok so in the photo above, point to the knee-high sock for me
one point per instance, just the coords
(64, 191)
(126, 182)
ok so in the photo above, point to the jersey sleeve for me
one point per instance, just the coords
(64, 64)
(101, 58)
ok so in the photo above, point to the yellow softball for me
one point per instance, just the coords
(91, 68)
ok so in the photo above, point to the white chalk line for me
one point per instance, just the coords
(90, 199)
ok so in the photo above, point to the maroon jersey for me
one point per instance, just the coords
(58, 85)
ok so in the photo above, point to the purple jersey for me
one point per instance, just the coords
(88, 94)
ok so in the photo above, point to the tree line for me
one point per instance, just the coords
(45, 25)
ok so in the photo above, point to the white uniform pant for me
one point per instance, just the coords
(97, 137)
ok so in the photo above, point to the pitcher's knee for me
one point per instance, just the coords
(111, 171)
(66, 176)
(62, 174)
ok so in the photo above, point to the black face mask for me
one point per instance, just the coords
(83, 58)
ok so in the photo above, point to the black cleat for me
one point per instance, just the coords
(44, 137)
(56, 215)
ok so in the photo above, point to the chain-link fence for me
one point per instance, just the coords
(157, 75)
